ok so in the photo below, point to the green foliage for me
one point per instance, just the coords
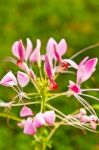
(78, 22)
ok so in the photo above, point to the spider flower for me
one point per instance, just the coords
(84, 72)
(56, 51)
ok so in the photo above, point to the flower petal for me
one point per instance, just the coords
(74, 88)
(48, 68)
(89, 68)
(49, 117)
(62, 47)
(28, 49)
(18, 50)
(85, 69)
(9, 79)
(71, 62)
(38, 120)
(50, 48)
(15, 49)
(25, 111)
(29, 128)
(23, 78)
(35, 56)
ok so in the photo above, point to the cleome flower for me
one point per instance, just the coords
(55, 51)
(84, 72)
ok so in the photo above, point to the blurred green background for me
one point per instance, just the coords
(75, 20)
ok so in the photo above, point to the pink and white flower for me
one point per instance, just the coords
(25, 112)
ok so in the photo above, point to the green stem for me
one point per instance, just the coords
(56, 95)
(9, 116)
(22, 104)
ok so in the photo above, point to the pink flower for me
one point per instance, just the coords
(56, 50)
(29, 128)
(38, 120)
(9, 80)
(19, 50)
(25, 112)
(23, 78)
(49, 117)
(85, 69)
(84, 72)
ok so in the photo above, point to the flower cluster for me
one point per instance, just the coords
(30, 125)
(45, 85)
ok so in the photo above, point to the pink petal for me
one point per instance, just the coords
(35, 56)
(21, 50)
(71, 62)
(48, 68)
(89, 68)
(9, 79)
(32, 74)
(49, 117)
(28, 49)
(29, 128)
(50, 48)
(22, 65)
(18, 50)
(74, 88)
(81, 70)
(15, 50)
(25, 111)
(38, 120)
(53, 85)
(62, 47)
(23, 78)
(56, 53)
(85, 69)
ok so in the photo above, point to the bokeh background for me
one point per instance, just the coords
(75, 20)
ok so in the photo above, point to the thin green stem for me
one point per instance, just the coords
(22, 104)
(9, 116)
(57, 95)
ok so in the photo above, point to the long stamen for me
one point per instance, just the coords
(85, 104)
(90, 96)
(85, 90)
